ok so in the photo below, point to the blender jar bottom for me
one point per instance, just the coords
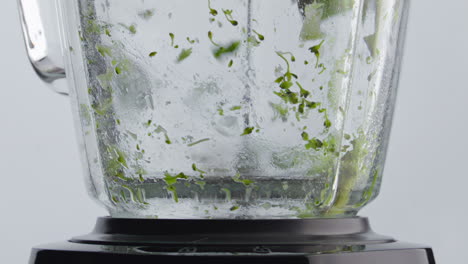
(222, 198)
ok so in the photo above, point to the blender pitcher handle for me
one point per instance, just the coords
(42, 38)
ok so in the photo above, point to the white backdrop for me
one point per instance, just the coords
(424, 197)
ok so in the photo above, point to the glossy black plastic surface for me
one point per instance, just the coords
(314, 241)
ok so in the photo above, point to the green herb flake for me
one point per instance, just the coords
(121, 158)
(327, 123)
(152, 54)
(286, 85)
(245, 182)
(234, 208)
(280, 111)
(184, 54)
(288, 96)
(146, 14)
(210, 37)
(260, 36)
(103, 50)
(316, 51)
(213, 12)
(314, 143)
(235, 108)
(118, 70)
(132, 29)
(231, 48)
(303, 92)
(231, 62)
(248, 131)
(198, 142)
(228, 14)
(171, 35)
(220, 111)
(305, 136)
(191, 41)
(168, 141)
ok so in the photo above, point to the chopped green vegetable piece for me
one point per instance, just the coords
(245, 182)
(104, 50)
(226, 50)
(213, 12)
(171, 35)
(168, 141)
(171, 180)
(286, 85)
(132, 29)
(230, 63)
(191, 41)
(198, 142)
(314, 143)
(118, 70)
(184, 54)
(235, 108)
(303, 92)
(260, 36)
(288, 96)
(327, 123)
(146, 14)
(305, 136)
(321, 65)
(234, 208)
(195, 168)
(248, 131)
(152, 54)
(253, 41)
(228, 14)
(312, 105)
(220, 111)
(316, 51)
(280, 111)
(210, 36)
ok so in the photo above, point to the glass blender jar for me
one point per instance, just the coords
(205, 111)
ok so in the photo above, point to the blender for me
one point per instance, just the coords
(227, 131)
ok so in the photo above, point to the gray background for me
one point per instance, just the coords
(424, 197)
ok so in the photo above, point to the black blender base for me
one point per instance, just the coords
(307, 241)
